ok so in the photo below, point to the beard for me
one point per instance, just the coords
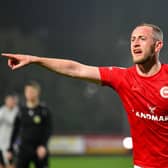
(146, 58)
(143, 60)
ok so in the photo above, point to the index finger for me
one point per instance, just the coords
(8, 54)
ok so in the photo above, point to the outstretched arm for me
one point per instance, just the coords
(61, 66)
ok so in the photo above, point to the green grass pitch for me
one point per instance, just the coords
(91, 162)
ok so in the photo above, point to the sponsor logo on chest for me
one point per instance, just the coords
(151, 114)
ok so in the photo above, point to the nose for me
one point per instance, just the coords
(136, 43)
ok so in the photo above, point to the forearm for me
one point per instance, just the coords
(60, 66)
(69, 68)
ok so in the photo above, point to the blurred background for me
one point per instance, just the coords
(93, 32)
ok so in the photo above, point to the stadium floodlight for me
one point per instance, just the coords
(127, 143)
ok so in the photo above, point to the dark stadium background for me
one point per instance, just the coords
(94, 32)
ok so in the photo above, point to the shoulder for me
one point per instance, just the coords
(43, 105)
(2, 108)
(131, 68)
(164, 70)
(165, 67)
(22, 110)
(113, 76)
(44, 108)
(112, 69)
(2, 111)
(124, 71)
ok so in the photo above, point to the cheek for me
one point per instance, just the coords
(28, 94)
(152, 48)
(131, 50)
(147, 51)
(146, 47)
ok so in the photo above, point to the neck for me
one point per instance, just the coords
(149, 68)
(32, 104)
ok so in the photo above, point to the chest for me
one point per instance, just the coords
(33, 117)
(148, 96)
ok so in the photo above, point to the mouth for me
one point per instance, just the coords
(137, 51)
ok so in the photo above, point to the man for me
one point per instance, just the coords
(32, 127)
(143, 89)
(8, 113)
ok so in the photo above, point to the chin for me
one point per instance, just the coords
(140, 61)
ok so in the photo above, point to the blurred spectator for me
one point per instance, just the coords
(32, 125)
(8, 113)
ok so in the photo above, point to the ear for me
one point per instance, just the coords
(158, 46)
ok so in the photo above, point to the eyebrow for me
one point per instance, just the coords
(138, 36)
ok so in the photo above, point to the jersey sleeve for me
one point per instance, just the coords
(112, 76)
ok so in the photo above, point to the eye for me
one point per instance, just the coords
(143, 38)
(132, 39)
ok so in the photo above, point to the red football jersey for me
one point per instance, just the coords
(146, 101)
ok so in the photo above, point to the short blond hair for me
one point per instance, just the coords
(34, 84)
(157, 32)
